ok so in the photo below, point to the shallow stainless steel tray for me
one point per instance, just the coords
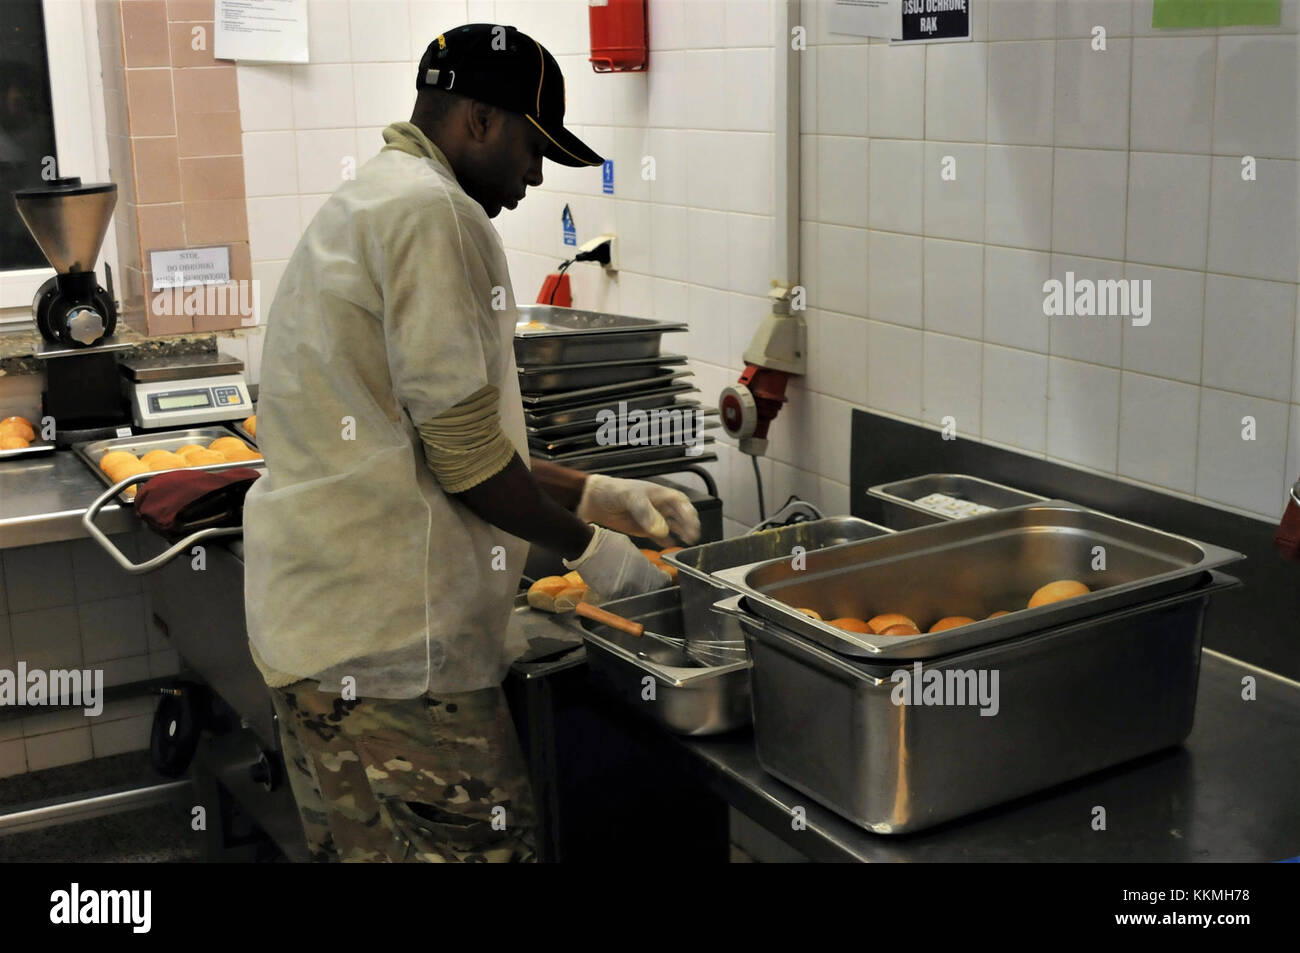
(36, 448)
(696, 700)
(1067, 701)
(547, 378)
(542, 403)
(973, 567)
(238, 427)
(573, 335)
(619, 455)
(584, 414)
(905, 513)
(590, 438)
(140, 444)
(696, 564)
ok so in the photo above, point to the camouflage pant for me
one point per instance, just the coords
(435, 780)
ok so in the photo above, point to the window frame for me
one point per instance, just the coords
(80, 133)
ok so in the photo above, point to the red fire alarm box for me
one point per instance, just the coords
(619, 37)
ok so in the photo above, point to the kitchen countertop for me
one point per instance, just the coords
(17, 345)
(42, 500)
(1230, 793)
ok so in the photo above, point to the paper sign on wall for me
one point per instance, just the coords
(881, 18)
(267, 31)
(190, 266)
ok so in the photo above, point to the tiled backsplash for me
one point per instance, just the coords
(68, 606)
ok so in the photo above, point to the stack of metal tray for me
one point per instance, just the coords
(578, 367)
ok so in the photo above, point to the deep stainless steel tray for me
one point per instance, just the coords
(140, 444)
(1067, 701)
(584, 414)
(699, 700)
(542, 403)
(548, 378)
(572, 335)
(905, 513)
(973, 567)
(696, 564)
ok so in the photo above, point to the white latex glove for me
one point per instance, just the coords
(638, 508)
(614, 567)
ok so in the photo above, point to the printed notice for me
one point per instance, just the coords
(881, 18)
(931, 21)
(190, 266)
(267, 31)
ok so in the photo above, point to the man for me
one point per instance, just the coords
(384, 547)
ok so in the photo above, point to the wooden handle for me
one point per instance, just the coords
(596, 614)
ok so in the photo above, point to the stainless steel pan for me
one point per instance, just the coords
(973, 567)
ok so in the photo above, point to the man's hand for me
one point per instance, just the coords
(638, 508)
(614, 567)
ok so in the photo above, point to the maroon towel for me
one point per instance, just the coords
(181, 502)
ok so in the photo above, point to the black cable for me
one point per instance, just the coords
(758, 480)
(563, 268)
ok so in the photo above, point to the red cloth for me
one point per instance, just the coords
(1287, 538)
(180, 502)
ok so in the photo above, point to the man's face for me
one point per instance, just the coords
(505, 162)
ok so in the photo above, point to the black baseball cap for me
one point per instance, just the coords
(504, 67)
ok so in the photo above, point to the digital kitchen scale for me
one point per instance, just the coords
(183, 391)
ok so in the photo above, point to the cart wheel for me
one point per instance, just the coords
(176, 727)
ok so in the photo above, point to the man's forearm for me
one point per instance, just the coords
(518, 502)
(563, 484)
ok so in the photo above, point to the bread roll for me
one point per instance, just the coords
(10, 441)
(542, 593)
(567, 600)
(17, 427)
(572, 578)
(900, 628)
(851, 624)
(883, 621)
(251, 425)
(1057, 591)
(114, 457)
(951, 622)
(811, 613)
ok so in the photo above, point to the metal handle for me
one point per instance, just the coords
(1295, 492)
(163, 558)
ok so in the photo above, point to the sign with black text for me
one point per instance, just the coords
(929, 21)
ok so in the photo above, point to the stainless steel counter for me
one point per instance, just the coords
(1229, 793)
(42, 500)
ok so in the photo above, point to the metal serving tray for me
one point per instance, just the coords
(589, 438)
(548, 378)
(699, 700)
(905, 513)
(542, 403)
(140, 444)
(1070, 700)
(573, 335)
(238, 427)
(696, 564)
(584, 415)
(974, 567)
(35, 448)
(618, 455)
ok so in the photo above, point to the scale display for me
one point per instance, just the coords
(183, 401)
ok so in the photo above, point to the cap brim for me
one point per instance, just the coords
(566, 148)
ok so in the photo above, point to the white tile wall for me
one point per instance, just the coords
(925, 293)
